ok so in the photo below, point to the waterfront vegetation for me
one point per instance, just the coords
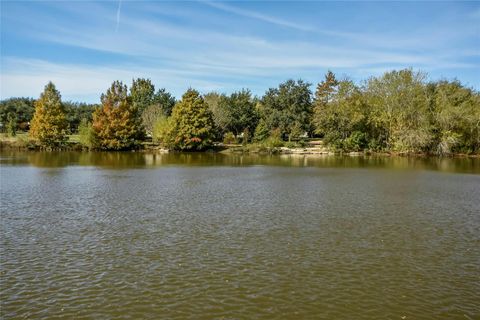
(399, 111)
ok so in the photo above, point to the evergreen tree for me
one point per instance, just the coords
(142, 93)
(192, 123)
(49, 124)
(165, 101)
(116, 124)
(323, 96)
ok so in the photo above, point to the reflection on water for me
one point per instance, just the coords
(125, 160)
(212, 236)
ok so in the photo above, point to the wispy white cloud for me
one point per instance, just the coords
(258, 16)
(21, 77)
(178, 55)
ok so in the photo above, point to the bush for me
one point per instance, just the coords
(291, 144)
(273, 142)
(229, 138)
(261, 131)
(11, 125)
(86, 134)
(357, 141)
(162, 131)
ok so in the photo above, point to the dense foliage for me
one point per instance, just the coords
(234, 115)
(77, 112)
(287, 109)
(149, 104)
(191, 125)
(399, 111)
(21, 109)
(49, 123)
(117, 125)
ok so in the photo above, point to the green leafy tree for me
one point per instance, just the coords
(49, 124)
(192, 126)
(11, 124)
(288, 108)
(240, 112)
(399, 114)
(22, 108)
(116, 124)
(262, 131)
(344, 115)
(150, 116)
(76, 112)
(160, 107)
(149, 104)
(220, 114)
(162, 131)
(86, 133)
(456, 118)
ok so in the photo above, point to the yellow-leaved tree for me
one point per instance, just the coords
(49, 123)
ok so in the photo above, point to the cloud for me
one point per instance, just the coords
(258, 16)
(178, 51)
(27, 77)
(184, 46)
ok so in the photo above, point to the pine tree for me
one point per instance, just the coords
(326, 88)
(49, 124)
(142, 94)
(12, 125)
(192, 123)
(323, 96)
(116, 124)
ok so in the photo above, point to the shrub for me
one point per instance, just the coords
(162, 131)
(86, 134)
(229, 138)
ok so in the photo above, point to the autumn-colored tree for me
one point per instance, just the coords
(116, 124)
(49, 124)
(192, 126)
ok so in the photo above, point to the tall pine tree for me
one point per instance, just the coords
(49, 123)
(323, 96)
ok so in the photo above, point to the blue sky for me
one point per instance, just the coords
(83, 46)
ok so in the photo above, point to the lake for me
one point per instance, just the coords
(213, 236)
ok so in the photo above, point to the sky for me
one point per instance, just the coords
(83, 46)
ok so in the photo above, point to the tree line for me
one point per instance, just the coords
(399, 111)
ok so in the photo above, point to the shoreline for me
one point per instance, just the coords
(13, 145)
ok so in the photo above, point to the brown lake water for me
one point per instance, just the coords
(212, 236)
